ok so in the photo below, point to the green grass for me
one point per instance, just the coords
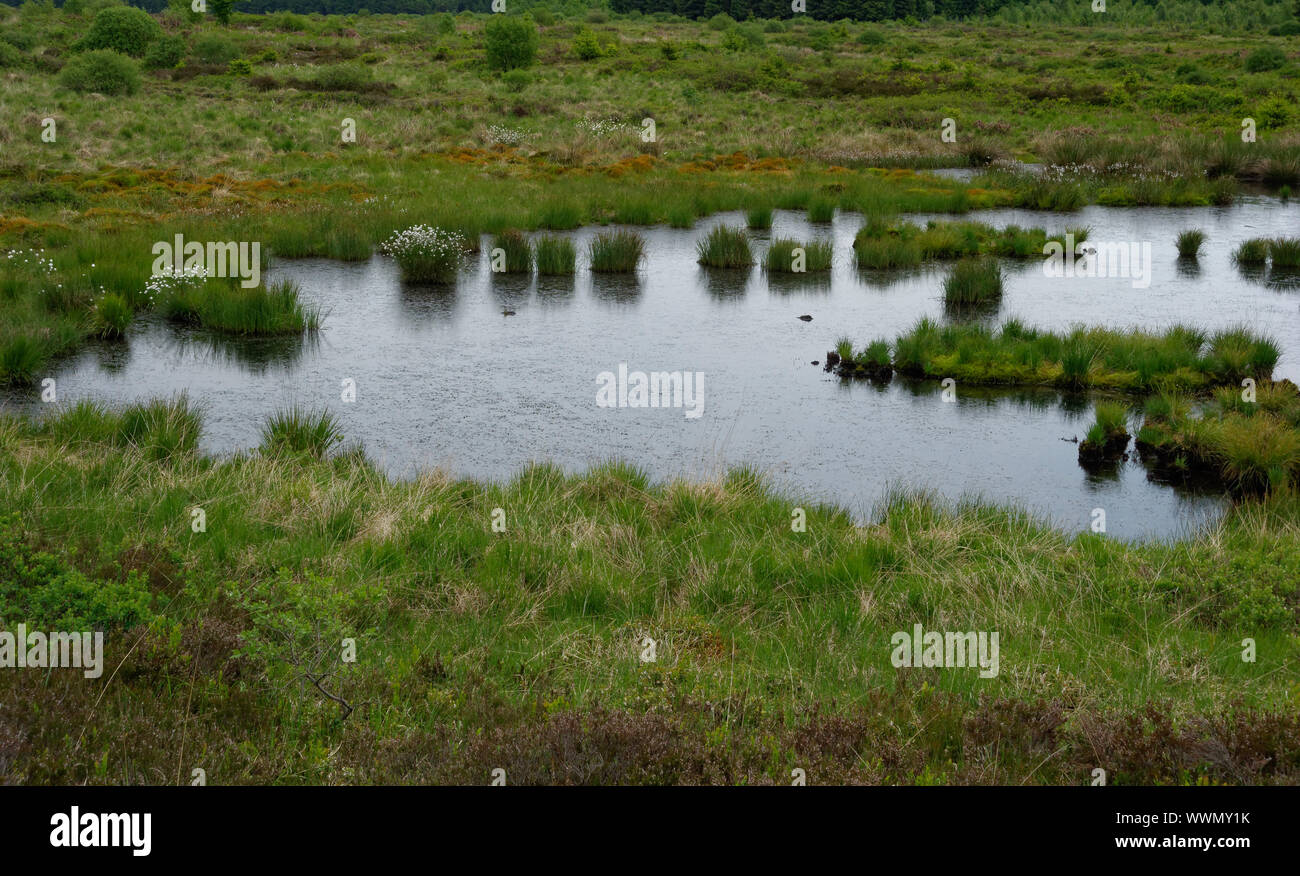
(973, 281)
(1252, 252)
(516, 253)
(555, 255)
(884, 253)
(759, 218)
(821, 210)
(298, 430)
(1189, 243)
(616, 252)
(111, 316)
(300, 551)
(230, 308)
(781, 256)
(725, 247)
(1179, 358)
(1285, 252)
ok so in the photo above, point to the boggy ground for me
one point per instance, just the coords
(521, 649)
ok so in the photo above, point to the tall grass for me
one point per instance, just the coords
(511, 250)
(161, 429)
(1285, 252)
(881, 253)
(1252, 252)
(555, 255)
(1189, 243)
(725, 247)
(821, 210)
(759, 218)
(785, 255)
(616, 252)
(227, 307)
(973, 281)
(298, 430)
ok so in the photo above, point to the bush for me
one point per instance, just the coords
(585, 45)
(101, 72)
(123, 29)
(213, 48)
(344, 77)
(42, 590)
(165, 53)
(1265, 59)
(510, 42)
(241, 67)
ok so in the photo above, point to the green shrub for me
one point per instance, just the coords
(240, 67)
(165, 53)
(344, 77)
(44, 592)
(1264, 59)
(510, 42)
(123, 29)
(585, 45)
(101, 72)
(214, 48)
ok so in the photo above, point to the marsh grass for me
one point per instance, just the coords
(110, 316)
(616, 252)
(299, 431)
(160, 429)
(516, 252)
(725, 247)
(781, 255)
(821, 211)
(1177, 359)
(883, 253)
(759, 218)
(225, 306)
(21, 357)
(1252, 252)
(973, 281)
(1285, 252)
(1189, 243)
(555, 255)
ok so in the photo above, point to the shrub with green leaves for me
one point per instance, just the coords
(165, 53)
(42, 590)
(215, 48)
(124, 29)
(1264, 59)
(101, 72)
(510, 42)
(585, 45)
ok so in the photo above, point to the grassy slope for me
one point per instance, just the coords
(520, 649)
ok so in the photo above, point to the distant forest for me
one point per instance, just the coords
(1232, 11)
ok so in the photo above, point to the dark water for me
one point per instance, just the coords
(443, 378)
